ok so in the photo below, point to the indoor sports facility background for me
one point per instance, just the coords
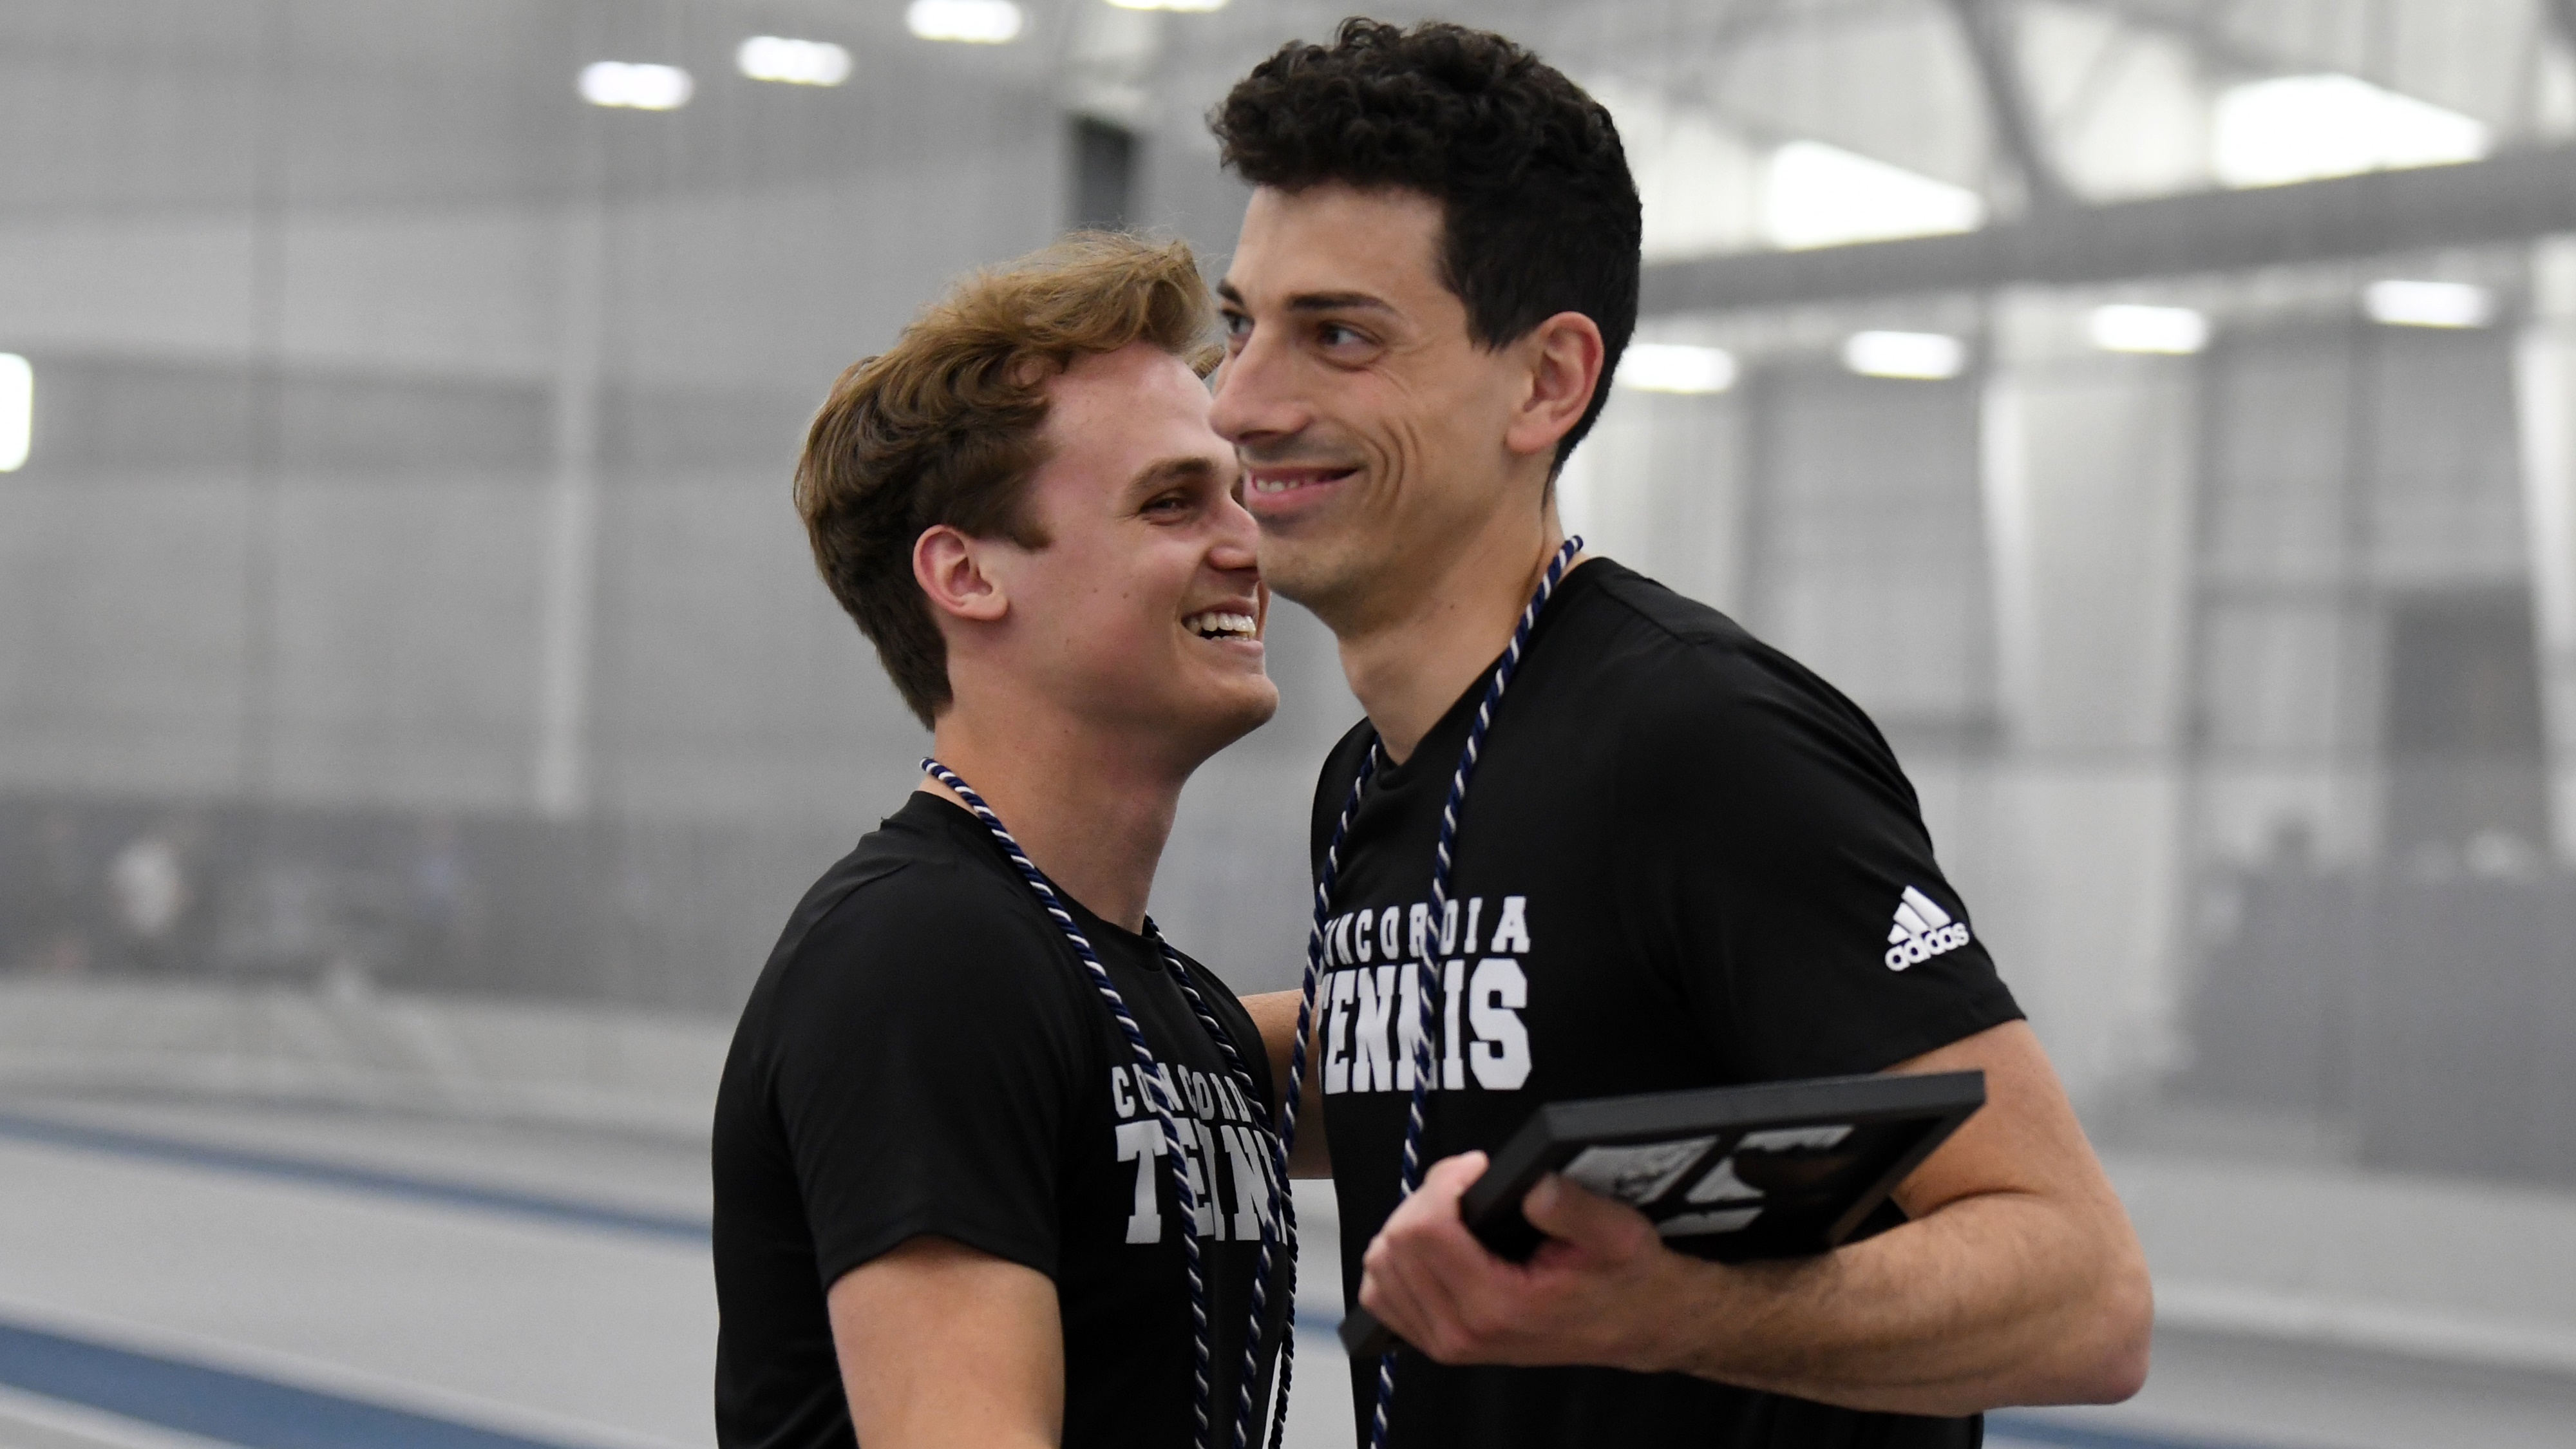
(418, 712)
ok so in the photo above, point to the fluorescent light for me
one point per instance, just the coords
(1914, 356)
(2428, 304)
(636, 87)
(17, 410)
(977, 22)
(2308, 127)
(1667, 367)
(2176, 331)
(1815, 195)
(792, 62)
(1190, 5)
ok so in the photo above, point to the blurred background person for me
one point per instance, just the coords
(149, 881)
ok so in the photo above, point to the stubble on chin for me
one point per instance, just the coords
(1328, 577)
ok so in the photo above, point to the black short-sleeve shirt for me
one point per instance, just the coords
(924, 1053)
(1684, 861)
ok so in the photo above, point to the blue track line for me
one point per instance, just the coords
(569, 1212)
(2024, 1429)
(261, 1414)
(215, 1403)
(1319, 1340)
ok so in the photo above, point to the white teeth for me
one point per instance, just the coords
(1273, 485)
(1216, 624)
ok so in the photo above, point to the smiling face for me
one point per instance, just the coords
(1372, 427)
(1144, 610)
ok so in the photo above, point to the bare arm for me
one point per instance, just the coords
(942, 1345)
(1276, 1015)
(2019, 1280)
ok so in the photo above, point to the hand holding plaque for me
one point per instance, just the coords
(1779, 1170)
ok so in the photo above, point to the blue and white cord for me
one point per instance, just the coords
(1426, 978)
(1163, 1097)
(1297, 1062)
(1279, 1225)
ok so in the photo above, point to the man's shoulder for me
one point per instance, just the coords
(1665, 659)
(1663, 612)
(900, 926)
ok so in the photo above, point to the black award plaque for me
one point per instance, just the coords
(1778, 1170)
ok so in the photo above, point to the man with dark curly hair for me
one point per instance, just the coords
(1682, 860)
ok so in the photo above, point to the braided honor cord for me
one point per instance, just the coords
(1426, 972)
(1164, 1099)
(1288, 1101)
(1278, 1226)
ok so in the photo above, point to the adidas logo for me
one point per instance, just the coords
(1922, 931)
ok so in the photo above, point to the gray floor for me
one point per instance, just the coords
(2237, 1390)
(196, 1234)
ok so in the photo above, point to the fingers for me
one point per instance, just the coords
(1417, 1307)
(1449, 1179)
(1424, 1259)
(1564, 1210)
(1427, 1225)
(1431, 1282)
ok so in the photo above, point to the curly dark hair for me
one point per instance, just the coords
(1540, 213)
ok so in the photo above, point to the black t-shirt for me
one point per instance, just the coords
(1684, 861)
(924, 1053)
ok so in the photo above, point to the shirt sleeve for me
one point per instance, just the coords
(1787, 881)
(925, 1066)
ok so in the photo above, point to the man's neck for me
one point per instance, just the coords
(1090, 809)
(1410, 663)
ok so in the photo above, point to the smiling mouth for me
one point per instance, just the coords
(1277, 483)
(1222, 624)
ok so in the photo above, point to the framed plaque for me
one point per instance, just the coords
(1778, 1170)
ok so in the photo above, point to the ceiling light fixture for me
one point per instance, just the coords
(975, 22)
(633, 87)
(2310, 127)
(1815, 195)
(2428, 304)
(1911, 356)
(792, 62)
(17, 410)
(1670, 367)
(2172, 331)
(1192, 6)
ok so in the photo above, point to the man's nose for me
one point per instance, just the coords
(1253, 399)
(1237, 544)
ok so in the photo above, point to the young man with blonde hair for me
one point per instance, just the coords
(993, 1164)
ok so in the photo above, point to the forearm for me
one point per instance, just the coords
(2018, 1281)
(1275, 1015)
(2003, 1298)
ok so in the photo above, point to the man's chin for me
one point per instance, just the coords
(1318, 575)
(1219, 722)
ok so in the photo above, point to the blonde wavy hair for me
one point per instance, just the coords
(944, 426)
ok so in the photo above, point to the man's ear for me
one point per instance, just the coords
(949, 566)
(1564, 355)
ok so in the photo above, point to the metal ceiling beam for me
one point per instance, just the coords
(2563, 13)
(2512, 197)
(1987, 29)
(2199, 24)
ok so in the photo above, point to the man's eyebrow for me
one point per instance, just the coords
(1316, 301)
(1338, 302)
(1171, 471)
